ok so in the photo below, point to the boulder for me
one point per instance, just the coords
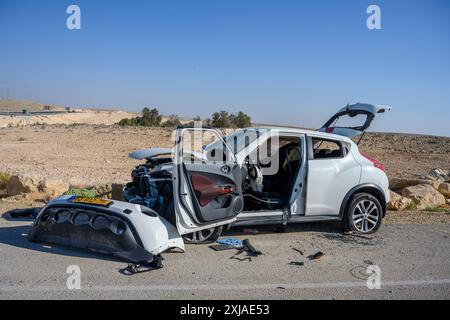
(398, 202)
(424, 196)
(400, 183)
(103, 190)
(117, 191)
(77, 183)
(20, 183)
(444, 188)
(53, 187)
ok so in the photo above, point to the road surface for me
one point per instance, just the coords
(414, 261)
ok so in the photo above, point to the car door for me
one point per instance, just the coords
(331, 174)
(353, 119)
(207, 181)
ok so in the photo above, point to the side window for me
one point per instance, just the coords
(327, 149)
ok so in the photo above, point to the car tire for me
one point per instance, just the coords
(363, 214)
(203, 236)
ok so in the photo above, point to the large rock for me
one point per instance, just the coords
(444, 188)
(103, 190)
(53, 187)
(398, 202)
(20, 183)
(400, 183)
(424, 196)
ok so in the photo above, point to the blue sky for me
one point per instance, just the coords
(288, 62)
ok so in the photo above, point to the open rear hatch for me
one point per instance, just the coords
(353, 119)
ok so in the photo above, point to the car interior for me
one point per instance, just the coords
(271, 191)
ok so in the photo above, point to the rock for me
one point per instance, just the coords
(117, 191)
(400, 183)
(424, 196)
(53, 187)
(448, 202)
(76, 183)
(444, 188)
(103, 190)
(398, 202)
(18, 184)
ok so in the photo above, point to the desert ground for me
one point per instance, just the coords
(411, 247)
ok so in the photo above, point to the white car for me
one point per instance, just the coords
(321, 176)
(270, 175)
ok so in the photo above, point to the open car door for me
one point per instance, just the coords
(353, 119)
(207, 181)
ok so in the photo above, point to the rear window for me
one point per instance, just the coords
(326, 149)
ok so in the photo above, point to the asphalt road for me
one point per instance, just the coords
(414, 261)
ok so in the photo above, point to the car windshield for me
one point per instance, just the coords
(237, 140)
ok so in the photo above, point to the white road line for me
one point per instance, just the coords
(236, 287)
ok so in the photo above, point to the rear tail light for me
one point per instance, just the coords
(376, 163)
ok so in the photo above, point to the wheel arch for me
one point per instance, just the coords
(369, 188)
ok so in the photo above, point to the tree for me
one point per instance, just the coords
(150, 118)
(221, 119)
(172, 122)
(241, 120)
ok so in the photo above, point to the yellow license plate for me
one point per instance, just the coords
(94, 201)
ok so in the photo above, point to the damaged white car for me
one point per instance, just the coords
(208, 182)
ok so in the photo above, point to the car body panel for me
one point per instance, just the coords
(150, 153)
(146, 233)
(364, 109)
(191, 214)
(329, 180)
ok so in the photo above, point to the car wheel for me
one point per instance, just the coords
(203, 236)
(363, 215)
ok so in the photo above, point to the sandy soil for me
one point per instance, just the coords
(98, 154)
(79, 117)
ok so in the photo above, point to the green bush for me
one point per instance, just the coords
(81, 192)
(4, 178)
(223, 119)
(172, 122)
(150, 118)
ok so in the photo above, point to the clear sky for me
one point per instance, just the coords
(288, 62)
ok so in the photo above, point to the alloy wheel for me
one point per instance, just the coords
(365, 216)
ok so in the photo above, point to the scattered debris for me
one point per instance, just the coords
(250, 231)
(249, 247)
(230, 242)
(141, 267)
(241, 259)
(297, 263)
(283, 288)
(316, 256)
(298, 250)
(221, 247)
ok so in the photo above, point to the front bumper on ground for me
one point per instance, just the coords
(126, 230)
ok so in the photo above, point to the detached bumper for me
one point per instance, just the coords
(125, 230)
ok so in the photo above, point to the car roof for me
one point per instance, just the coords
(308, 132)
